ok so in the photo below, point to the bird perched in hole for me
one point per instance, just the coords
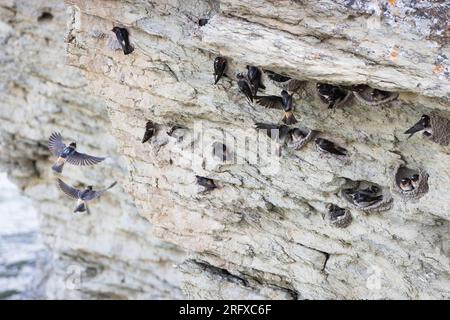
(285, 102)
(245, 87)
(406, 184)
(330, 147)
(331, 95)
(150, 129)
(207, 183)
(414, 180)
(254, 77)
(365, 196)
(422, 125)
(69, 154)
(220, 64)
(202, 22)
(82, 196)
(122, 37)
(297, 134)
(276, 132)
(335, 211)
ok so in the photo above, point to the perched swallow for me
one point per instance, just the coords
(150, 130)
(276, 77)
(328, 146)
(362, 197)
(275, 131)
(335, 211)
(244, 87)
(254, 76)
(422, 125)
(414, 180)
(371, 96)
(82, 196)
(331, 95)
(284, 102)
(220, 64)
(122, 37)
(202, 22)
(297, 134)
(69, 154)
(207, 183)
(368, 192)
(406, 184)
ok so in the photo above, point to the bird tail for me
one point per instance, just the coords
(58, 166)
(81, 207)
(289, 118)
(127, 49)
(112, 185)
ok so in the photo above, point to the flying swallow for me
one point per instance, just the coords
(275, 131)
(69, 154)
(331, 95)
(254, 76)
(284, 102)
(406, 184)
(328, 146)
(244, 87)
(422, 125)
(82, 196)
(220, 64)
(414, 180)
(122, 37)
(207, 183)
(335, 211)
(150, 130)
(202, 22)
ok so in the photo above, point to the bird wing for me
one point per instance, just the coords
(95, 194)
(55, 144)
(274, 102)
(68, 190)
(83, 159)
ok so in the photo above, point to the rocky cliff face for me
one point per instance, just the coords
(264, 232)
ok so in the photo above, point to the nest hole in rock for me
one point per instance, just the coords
(337, 216)
(367, 196)
(410, 183)
(45, 16)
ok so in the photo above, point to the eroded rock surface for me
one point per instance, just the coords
(263, 232)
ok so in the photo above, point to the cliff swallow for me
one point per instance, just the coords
(284, 102)
(335, 211)
(244, 87)
(414, 180)
(422, 125)
(365, 198)
(328, 146)
(406, 184)
(220, 64)
(297, 134)
(369, 191)
(150, 130)
(207, 183)
(331, 95)
(371, 96)
(202, 22)
(122, 37)
(254, 76)
(82, 196)
(275, 131)
(69, 154)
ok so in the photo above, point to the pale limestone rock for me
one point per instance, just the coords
(262, 232)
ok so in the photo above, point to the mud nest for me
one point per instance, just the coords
(440, 129)
(416, 179)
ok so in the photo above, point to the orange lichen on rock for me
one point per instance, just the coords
(392, 2)
(394, 54)
(438, 68)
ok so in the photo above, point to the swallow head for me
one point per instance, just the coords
(414, 178)
(405, 184)
(202, 22)
(115, 29)
(240, 76)
(89, 188)
(422, 124)
(284, 93)
(297, 134)
(73, 145)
